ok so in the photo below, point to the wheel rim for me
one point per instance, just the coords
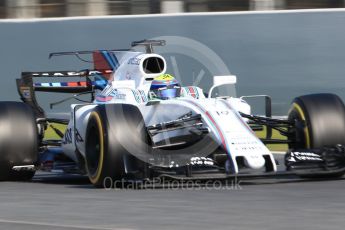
(301, 130)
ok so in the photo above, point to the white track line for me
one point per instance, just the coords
(29, 20)
(42, 224)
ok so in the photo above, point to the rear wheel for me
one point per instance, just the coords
(24, 175)
(18, 140)
(113, 132)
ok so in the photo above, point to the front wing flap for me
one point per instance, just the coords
(317, 162)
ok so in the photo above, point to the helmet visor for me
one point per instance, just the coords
(168, 93)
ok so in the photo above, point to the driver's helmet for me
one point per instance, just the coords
(165, 87)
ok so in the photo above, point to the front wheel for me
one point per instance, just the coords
(319, 121)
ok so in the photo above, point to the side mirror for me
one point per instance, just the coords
(222, 80)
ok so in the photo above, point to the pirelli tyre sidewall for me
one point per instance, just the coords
(109, 126)
(319, 121)
(18, 140)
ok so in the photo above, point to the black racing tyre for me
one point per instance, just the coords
(113, 131)
(319, 121)
(18, 140)
(23, 175)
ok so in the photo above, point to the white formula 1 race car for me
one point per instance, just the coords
(141, 124)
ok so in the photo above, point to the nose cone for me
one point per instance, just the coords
(255, 161)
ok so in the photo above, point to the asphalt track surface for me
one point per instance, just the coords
(70, 202)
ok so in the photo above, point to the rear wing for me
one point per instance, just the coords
(26, 86)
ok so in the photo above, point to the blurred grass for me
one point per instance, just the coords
(50, 134)
(275, 135)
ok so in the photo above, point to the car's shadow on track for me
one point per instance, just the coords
(78, 181)
(273, 181)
